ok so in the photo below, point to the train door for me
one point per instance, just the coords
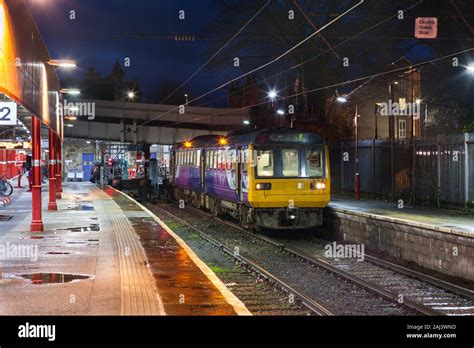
(243, 173)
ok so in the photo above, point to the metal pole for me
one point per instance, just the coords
(392, 169)
(37, 220)
(342, 167)
(57, 167)
(357, 174)
(373, 169)
(52, 205)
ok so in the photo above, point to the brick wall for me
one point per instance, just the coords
(429, 246)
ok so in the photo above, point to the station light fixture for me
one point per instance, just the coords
(131, 95)
(418, 101)
(272, 94)
(280, 112)
(246, 122)
(70, 118)
(188, 144)
(71, 91)
(470, 68)
(62, 63)
(69, 125)
(222, 141)
(341, 99)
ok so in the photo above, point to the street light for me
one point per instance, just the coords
(272, 94)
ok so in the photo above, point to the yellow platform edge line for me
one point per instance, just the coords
(238, 305)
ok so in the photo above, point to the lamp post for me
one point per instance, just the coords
(342, 100)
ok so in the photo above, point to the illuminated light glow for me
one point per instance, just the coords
(62, 63)
(70, 118)
(71, 91)
(280, 112)
(44, 95)
(341, 99)
(247, 122)
(272, 94)
(68, 125)
(188, 144)
(223, 141)
(418, 101)
(131, 95)
(470, 68)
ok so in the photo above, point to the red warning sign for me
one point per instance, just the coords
(426, 28)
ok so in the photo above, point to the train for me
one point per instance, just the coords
(265, 179)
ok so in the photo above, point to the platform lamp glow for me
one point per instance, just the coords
(62, 63)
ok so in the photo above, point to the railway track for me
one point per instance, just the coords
(422, 292)
(352, 295)
(309, 303)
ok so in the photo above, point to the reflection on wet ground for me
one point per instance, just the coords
(84, 206)
(90, 228)
(184, 288)
(51, 278)
(6, 217)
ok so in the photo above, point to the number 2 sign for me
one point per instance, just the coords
(8, 114)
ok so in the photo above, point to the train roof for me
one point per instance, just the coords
(245, 137)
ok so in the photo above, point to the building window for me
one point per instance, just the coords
(402, 129)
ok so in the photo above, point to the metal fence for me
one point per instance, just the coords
(433, 172)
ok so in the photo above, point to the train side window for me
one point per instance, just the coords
(180, 158)
(232, 159)
(206, 157)
(290, 162)
(214, 159)
(198, 158)
(265, 163)
(244, 159)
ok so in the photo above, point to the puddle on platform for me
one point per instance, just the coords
(51, 278)
(90, 228)
(84, 242)
(6, 217)
(84, 206)
(32, 237)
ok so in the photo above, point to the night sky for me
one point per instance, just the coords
(93, 38)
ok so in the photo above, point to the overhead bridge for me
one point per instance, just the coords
(146, 123)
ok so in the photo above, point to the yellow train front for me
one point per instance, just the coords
(278, 179)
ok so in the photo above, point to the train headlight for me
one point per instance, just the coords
(318, 186)
(263, 186)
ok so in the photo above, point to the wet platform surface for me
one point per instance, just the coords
(435, 217)
(182, 285)
(100, 254)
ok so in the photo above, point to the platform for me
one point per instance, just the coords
(436, 239)
(91, 260)
(441, 219)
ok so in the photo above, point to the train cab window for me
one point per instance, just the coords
(314, 162)
(290, 162)
(265, 163)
